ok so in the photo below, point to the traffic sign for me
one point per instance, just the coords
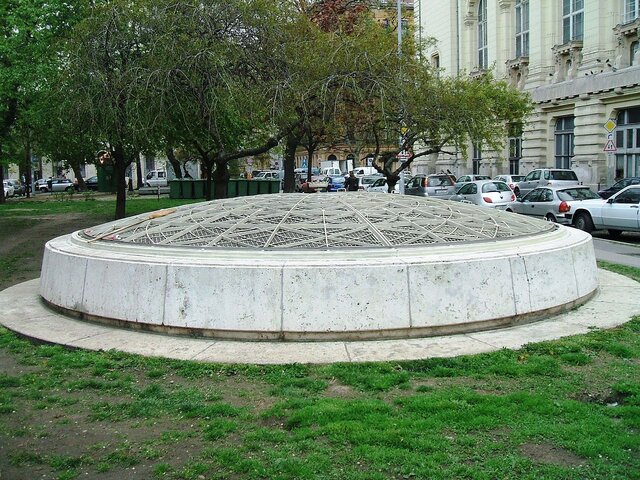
(403, 156)
(610, 125)
(610, 147)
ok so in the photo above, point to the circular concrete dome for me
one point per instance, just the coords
(325, 266)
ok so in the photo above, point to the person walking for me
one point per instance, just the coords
(351, 183)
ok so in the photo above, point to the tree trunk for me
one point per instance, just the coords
(392, 179)
(290, 163)
(2, 197)
(310, 151)
(78, 174)
(120, 166)
(138, 170)
(220, 179)
(175, 164)
(25, 169)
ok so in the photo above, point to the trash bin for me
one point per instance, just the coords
(232, 188)
(263, 186)
(253, 187)
(198, 188)
(175, 189)
(243, 187)
(274, 186)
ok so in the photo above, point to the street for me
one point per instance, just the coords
(625, 251)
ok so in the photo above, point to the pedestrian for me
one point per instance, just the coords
(351, 183)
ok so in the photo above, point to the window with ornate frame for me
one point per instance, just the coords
(564, 141)
(572, 20)
(522, 28)
(483, 50)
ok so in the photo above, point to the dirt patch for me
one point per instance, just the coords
(547, 453)
(337, 390)
(22, 243)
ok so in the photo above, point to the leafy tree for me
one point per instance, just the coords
(103, 63)
(218, 72)
(28, 30)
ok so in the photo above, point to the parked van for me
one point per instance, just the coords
(156, 178)
(331, 171)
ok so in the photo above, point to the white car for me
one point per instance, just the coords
(620, 213)
(8, 189)
(486, 193)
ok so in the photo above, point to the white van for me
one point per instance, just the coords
(156, 178)
(331, 171)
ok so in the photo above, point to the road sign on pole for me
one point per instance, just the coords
(610, 147)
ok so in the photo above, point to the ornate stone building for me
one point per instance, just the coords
(579, 60)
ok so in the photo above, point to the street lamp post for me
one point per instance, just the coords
(401, 141)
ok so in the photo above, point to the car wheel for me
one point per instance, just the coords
(550, 218)
(68, 189)
(583, 222)
(44, 190)
(615, 233)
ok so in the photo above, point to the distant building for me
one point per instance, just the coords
(579, 60)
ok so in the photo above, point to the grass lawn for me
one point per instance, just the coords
(566, 409)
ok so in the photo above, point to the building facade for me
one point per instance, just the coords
(578, 59)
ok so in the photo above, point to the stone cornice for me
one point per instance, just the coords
(603, 82)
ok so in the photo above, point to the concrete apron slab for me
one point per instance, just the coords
(25, 314)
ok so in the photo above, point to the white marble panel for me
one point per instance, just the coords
(521, 293)
(460, 292)
(62, 279)
(224, 298)
(345, 298)
(585, 267)
(125, 290)
(552, 279)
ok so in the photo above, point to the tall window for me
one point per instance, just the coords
(522, 28)
(633, 50)
(564, 142)
(515, 148)
(628, 143)
(572, 20)
(631, 10)
(149, 163)
(483, 51)
(477, 158)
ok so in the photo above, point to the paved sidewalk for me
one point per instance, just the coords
(24, 313)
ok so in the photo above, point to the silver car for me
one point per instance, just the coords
(469, 178)
(439, 185)
(554, 204)
(546, 177)
(511, 180)
(486, 193)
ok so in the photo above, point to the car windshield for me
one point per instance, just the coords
(367, 180)
(576, 194)
(483, 177)
(563, 175)
(440, 182)
(495, 187)
(517, 178)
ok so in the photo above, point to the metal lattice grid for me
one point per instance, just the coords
(311, 221)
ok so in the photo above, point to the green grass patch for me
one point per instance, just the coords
(563, 409)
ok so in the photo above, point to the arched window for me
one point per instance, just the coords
(483, 52)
